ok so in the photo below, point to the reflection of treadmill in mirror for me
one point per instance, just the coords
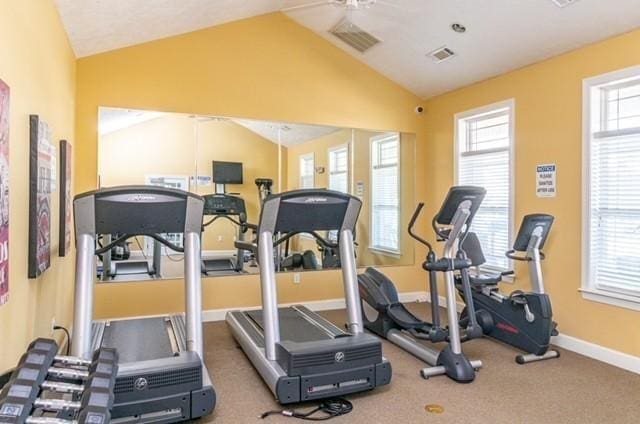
(224, 205)
(233, 209)
(113, 268)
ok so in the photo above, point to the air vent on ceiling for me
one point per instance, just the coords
(354, 36)
(441, 54)
(563, 3)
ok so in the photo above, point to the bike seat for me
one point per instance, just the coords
(485, 279)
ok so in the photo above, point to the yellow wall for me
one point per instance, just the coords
(227, 141)
(167, 146)
(160, 146)
(548, 129)
(39, 66)
(267, 68)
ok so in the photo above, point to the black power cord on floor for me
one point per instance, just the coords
(332, 407)
(59, 327)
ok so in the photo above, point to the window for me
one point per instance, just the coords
(339, 168)
(307, 169)
(167, 181)
(385, 192)
(611, 221)
(484, 158)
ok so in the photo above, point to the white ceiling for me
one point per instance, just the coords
(115, 119)
(502, 35)
(290, 134)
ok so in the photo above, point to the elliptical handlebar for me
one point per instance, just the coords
(511, 254)
(412, 222)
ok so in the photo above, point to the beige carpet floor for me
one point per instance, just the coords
(571, 389)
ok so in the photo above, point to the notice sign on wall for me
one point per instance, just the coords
(546, 180)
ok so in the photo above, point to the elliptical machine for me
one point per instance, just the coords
(523, 320)
(384, 315)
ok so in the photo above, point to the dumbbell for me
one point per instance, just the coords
(104, 361)
(49, 347)
(94, 397)
(95, 403)
(20, 393)
(34, 368)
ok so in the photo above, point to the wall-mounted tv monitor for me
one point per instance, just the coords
(227, 172)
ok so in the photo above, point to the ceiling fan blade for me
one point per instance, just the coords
(305, 6)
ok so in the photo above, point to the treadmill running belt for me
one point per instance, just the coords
(213, 265)
(129, 336)
(293, 326)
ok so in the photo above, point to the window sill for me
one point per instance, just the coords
(611, 298)
(391, 253)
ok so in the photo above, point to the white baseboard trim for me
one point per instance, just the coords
(585, 348)
(597, 352)
(213, 315)
(582, 347)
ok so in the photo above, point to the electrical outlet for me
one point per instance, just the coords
(296, 278)
(219, 238)
(53, 325)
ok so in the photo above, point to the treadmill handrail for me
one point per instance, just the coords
(324, 242)
(188, 214)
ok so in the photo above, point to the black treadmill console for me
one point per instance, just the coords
(224, 204)
(308, 210)
(127, 209)
(457, 195)
(529, 223)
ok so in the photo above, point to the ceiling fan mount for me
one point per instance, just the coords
(353, 4)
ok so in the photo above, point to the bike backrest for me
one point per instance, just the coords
(472, 247)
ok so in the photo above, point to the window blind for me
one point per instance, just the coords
(307, 166)
(484, 160)
(614, 187)
(339, 169)
(491, 222)
(385, 192)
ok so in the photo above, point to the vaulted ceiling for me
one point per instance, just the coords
(501, 35)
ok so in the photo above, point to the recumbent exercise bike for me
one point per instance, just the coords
(521, 319)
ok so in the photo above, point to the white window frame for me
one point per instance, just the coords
(589, 288)
(176, 238)
(332, 150)
(458, 121)
(396, 253)
(301, 158)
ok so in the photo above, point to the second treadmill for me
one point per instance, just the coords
(301, 355)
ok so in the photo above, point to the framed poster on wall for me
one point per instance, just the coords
(40, 175)
(4, 193)
(64, 238)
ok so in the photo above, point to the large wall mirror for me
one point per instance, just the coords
(235, 163)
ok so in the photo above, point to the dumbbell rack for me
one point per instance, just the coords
(47, 388)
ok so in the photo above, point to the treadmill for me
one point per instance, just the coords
(161, 376)
(114, 268)
(233, 209)
(299, 354)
